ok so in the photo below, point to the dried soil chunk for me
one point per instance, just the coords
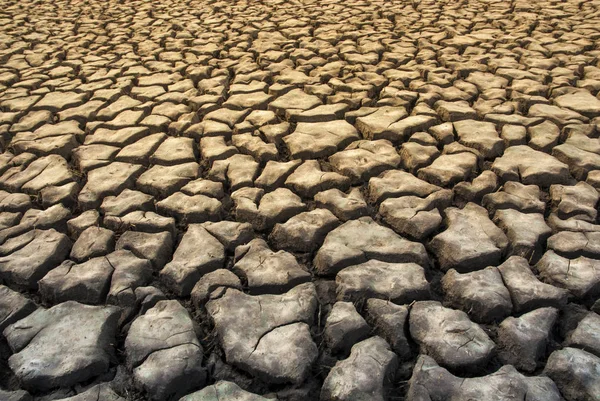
(415, 217)
(471, 241)
(222, 390)
(276, 345)
(127, 201)
(574, 244)
(526, 291)
(432, 382)
(344, 327)
(264, 211)
(41, 250)
(576, 373)
(356, 241)
(527, 232)
(481, 294)
(13, 307)
(395, 183)
(295, 99)
(364, 159)
(322, 139)
(514, 195)
(174, 150)
(581, 276)
(390, 321)
(102, 391)
(449, 169)
(305, 231)
(309, 179)
(94, 241)
(481, 136)
(164, 352)
(238, 171)
(522, 341)
(344, 206)
(376, 125)
(156, 247)
(401, 283)
(364, 375)
(522, 163)
(266, 271)
(190, 209)
(108, 180)
(62, 346)
(162, 181)
(587, 334)
(449, 336)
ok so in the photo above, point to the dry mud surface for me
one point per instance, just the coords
(299, 200)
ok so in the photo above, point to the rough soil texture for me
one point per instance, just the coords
(299, 200)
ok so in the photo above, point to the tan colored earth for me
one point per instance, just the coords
(299, 200)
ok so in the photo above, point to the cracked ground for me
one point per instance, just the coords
(299, 200)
